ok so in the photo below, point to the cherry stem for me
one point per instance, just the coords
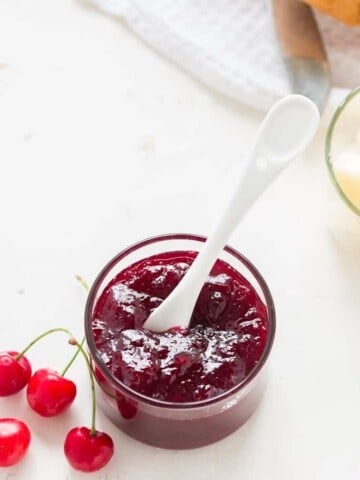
(73, 358)
(45, 334)
(84, 284)
(40, 337)
(73, 341)
(53, 330)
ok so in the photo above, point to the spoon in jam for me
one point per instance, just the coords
(286, 130)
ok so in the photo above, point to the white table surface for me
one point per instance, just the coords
(102, 143)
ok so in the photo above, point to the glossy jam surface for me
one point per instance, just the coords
(225, 340)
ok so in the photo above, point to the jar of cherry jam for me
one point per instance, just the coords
(183, 388)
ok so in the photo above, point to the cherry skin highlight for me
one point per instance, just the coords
(15, 438)
(224, 342)
(88, 452)
(48, 393)
(14, 374)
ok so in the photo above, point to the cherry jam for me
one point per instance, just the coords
(224, 342)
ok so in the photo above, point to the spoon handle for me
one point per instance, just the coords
(256, 178)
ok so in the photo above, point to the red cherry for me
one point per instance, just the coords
(48, 393)
(14, 374)
(15, 439)
(88, 452)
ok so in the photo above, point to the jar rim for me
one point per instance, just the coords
(95, 354)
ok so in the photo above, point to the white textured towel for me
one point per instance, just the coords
(230, 44)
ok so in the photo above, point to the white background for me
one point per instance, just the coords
(103, 143)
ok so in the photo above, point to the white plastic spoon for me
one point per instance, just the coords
(286, 130)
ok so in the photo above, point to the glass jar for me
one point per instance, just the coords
(177, 425)
(342, 154)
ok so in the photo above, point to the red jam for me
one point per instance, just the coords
(225, 340)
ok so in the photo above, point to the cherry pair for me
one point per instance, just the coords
(49, 393)
(85, 451)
